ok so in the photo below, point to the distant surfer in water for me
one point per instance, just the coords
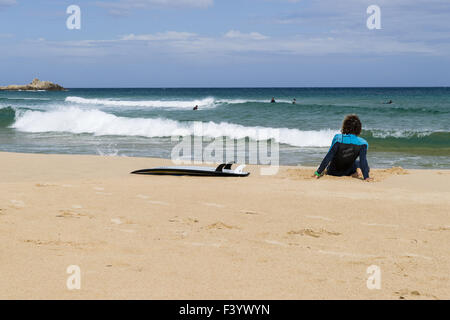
(273, 100)
(346, 148)
(195, 108)
(389, 102)
(294, 101)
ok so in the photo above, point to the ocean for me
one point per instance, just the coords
(412, 132)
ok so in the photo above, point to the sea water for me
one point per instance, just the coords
(412, 132)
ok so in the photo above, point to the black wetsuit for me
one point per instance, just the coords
(341, 159)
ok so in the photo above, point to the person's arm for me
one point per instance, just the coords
(328, 158)
(363, 162)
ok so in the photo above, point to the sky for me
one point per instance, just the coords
(226, 43)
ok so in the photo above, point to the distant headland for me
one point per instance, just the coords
(36, 84)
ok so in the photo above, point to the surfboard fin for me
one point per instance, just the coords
(229, 165)
(240, 169)
(224, 166)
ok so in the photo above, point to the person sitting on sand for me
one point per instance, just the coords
(273, 100)
(341, 159)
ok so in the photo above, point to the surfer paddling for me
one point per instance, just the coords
(346, 148)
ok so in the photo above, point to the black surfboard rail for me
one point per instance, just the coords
(223, 170)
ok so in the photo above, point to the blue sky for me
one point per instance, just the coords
(226, 43)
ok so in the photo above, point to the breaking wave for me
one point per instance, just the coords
(77, 121)
(93, 121)
(184, 104)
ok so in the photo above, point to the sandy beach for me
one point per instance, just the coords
(286, 236)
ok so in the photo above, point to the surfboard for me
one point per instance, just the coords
(223, 170)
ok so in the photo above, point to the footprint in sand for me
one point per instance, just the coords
(404, 293)
(59, 243)
(220, 226)
(43, 185)
(381, 175)
(181, 220)
(413, 255)
(314, 233)
(17, 203)
(249, 212)
(437, 229)
(71, 214)
(395, 171)
(410, 241)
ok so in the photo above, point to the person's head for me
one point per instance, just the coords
(351, 125)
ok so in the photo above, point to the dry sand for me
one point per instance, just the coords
(287, 236)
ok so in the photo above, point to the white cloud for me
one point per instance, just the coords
(182, 45)
(235, 34)
(121, 7)
(160, 36)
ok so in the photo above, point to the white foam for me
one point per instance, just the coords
(240, 101)
(188, 104)
(75, 120)
(383, 134)
(185, 104)
(41, 99)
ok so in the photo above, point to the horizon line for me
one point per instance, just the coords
(267, 87)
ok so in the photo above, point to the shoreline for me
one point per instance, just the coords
(287, 236)
(168, 161)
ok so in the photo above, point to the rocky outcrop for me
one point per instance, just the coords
(36, 84)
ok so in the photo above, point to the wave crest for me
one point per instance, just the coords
(184, 104)
(75, 120)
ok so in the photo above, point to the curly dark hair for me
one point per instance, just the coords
(351, 125)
